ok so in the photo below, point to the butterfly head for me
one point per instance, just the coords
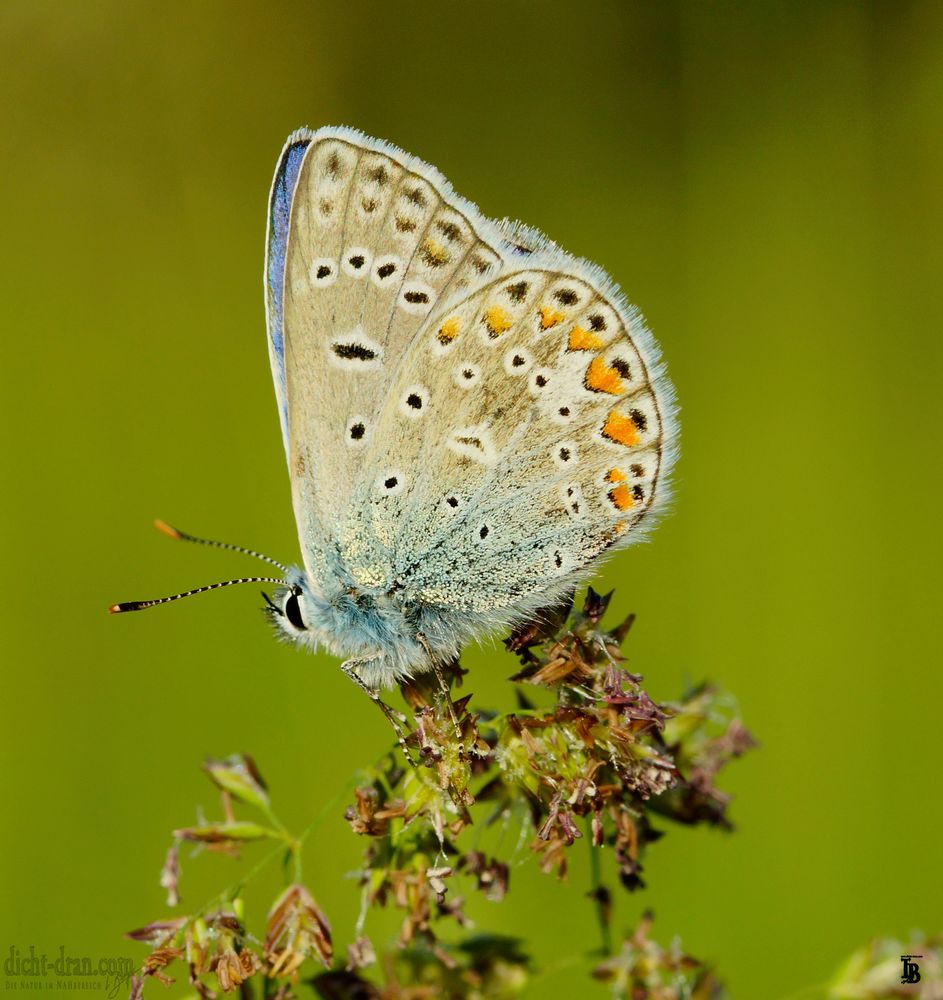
(291, 609)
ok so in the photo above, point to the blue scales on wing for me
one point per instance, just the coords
(279, 214)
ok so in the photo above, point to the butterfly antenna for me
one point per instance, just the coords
(116, 609)
(182, 536)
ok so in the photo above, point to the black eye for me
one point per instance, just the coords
(293, 612)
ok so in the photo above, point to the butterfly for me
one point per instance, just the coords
(472, 417)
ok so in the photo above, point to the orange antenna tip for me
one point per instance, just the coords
(181, 536)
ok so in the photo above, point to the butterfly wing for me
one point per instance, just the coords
(544, 438)
(364, 242)
(471, 415)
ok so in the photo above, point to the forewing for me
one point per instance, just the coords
(544, 437)
(375, 241)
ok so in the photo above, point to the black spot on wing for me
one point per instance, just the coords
(639, 419)
(622, 367)
(353, 352)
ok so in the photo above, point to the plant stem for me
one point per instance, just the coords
(595, 873)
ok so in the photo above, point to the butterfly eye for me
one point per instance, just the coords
(293, 612)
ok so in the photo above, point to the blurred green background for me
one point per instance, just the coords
(763, 179)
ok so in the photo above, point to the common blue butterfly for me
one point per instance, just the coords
(472, 417)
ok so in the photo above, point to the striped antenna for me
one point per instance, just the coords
(182, 536)
(116, 609)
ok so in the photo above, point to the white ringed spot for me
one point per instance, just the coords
(357, 432)
(356, 262)
(390, 483)
(564, 413)
(466, 375)
(564, 454)
(414, 402)
(482, 532)
(355, 351)
(518, 361)
(538, 380)
(451, 503)
(417, 298)
(386, 271)
(474, 443)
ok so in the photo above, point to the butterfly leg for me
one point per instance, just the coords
(350, 669)
(444, 688)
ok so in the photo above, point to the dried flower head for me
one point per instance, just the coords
(643, 970)
(297, 929)
(603, 762)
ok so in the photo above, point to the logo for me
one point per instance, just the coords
(34, 971)
(911, 971)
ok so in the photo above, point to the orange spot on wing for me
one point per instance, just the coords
(621, 497)
(615, 476)
(498, 320)
(433, 253)
(449, 330)
(549, 317)
(583, 340)
(601, 377)
(620, 428)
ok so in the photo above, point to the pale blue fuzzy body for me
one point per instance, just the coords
(383, 630)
